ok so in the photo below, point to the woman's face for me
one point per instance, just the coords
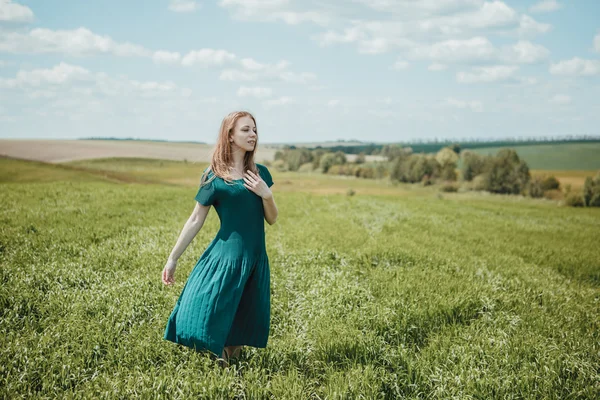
(244, 134)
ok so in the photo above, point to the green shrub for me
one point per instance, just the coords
(360, 158)
(280, 165)
(413, 168)
(506, 173)
(327, 161)
(479, 182)
(473, 164)
(550, 183)
(574, 199)
(449, 187)
(591, 191)
(306, 167)
(535, 187)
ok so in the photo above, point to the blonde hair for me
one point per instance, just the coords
(222, 157)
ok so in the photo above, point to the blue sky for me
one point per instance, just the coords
(311, 70)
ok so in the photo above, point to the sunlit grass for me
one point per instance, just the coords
(393, 292)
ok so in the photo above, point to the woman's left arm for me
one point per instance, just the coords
(256, 184)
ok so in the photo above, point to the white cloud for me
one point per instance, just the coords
(576, 67)
(333, 103)
(281, 101)
(166, 57)
(60, 74)
(79, 41)
(258, 92)
(13, 12)
(400, 65)
(252, 70)
(480, 49)
(455, 50)
(561, 99)
(273, 10)
(437, 67)
(524, 52)
(207, 58)
(528, 26)
(545, 6)
(597, 43)
(183, 6)
(475, 106)
(67, 78)
(487, 74)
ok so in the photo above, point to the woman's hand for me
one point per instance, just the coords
(168, 274)
(256, 184)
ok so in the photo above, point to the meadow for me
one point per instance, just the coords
(398, 291)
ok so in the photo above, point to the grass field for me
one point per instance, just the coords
(396, 292)
(563, 156)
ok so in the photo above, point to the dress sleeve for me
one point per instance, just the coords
(265, 174)
(206, 192)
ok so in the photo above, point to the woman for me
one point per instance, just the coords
(225, 302)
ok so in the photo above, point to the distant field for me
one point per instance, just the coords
(57, 151)
(395, 292)
(565, 156)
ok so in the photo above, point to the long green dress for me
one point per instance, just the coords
(226, 299)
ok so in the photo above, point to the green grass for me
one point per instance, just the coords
(563, 156)
(391, 293)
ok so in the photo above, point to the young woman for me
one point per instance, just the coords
(225, 302)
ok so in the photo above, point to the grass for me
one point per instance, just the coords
(562, 156)
(395, 292)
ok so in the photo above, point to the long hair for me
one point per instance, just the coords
(222, 157)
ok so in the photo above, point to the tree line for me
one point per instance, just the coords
(502, 173)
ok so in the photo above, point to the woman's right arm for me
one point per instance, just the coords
(189, 231)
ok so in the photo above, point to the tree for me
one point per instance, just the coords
(360, 158)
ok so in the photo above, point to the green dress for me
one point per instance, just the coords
(226, 299)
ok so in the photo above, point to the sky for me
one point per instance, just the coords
(308, 70)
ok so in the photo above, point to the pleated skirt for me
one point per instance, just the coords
(225, 302)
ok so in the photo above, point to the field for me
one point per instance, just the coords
(563, 156)
(396, 292)
(59, 151)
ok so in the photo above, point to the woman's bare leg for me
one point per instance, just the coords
(233, 351)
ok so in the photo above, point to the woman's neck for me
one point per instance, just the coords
(238, 160)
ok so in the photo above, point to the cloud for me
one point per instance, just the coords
(576, 67)
(597, 43)
(333, 103)
(79, 41)
(455, 50)
(281, 101)
(529, 26)
(545, 6)
(207, 58)
(560, 99)
(166, 57)
(50, 82)
(252, 70)
(524, 52)
(183, 6)
(487, 74)
(258, 92)
(61, 74)
(437, 67)
(273, 10)
(480, 49)
(400, 65)
(13, 12)
(475, 106)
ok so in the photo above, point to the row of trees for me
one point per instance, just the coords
(503, 173)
